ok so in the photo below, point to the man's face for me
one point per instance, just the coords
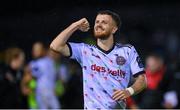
(17, 63)
(38, 50)
(153, 64)
(104, 26)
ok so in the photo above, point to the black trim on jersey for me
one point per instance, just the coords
(108, 51)
(70, 50)
(127, 45)
(139, 73)
(119, 45)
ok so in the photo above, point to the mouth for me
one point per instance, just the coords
(99, 29)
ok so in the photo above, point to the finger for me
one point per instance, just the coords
(115, 91)
(120, 97)
(125, 96)
(85, 21)
(117, 94)
(85, 24)
(84, 28)
(87, 28)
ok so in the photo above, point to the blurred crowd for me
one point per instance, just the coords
(50, 81)
(161, 55)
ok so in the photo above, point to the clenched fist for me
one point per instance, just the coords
(82, 25)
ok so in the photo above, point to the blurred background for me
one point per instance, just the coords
(28, 26)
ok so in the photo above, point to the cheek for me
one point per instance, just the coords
(107, 27)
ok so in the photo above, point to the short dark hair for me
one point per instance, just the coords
(114, 16)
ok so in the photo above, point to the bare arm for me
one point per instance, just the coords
(138, 86)
(59, 43)
(140, 83)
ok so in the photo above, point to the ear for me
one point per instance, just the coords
(114, 30)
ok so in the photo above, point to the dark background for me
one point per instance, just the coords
(23, 22)
(151, 26)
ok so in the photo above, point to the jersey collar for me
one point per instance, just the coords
(105, 51)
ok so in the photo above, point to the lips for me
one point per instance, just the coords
(99, 29)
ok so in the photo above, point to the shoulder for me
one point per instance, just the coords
(43, 59)
(87, 46)
(74, 44)
(124, 46)
(38, 61)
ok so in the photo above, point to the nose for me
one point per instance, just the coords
(98, 25)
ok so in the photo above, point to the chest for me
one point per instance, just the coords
(118, 58)
(114, 64)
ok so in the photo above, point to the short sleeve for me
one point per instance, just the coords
(136, 64)
(76, 51)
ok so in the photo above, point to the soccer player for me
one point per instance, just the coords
(107, 66)
(43, 70)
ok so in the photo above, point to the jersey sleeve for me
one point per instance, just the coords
(136, 64)
(76, 51)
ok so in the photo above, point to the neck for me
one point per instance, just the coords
(106, 44)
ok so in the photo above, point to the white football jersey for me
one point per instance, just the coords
(105, 71)
(44, 71)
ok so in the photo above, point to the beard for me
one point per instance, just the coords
(102, 35)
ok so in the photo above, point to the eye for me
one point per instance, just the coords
(97, 21)
(104, 22)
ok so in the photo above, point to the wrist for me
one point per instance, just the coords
(130, 90)
(75, 25)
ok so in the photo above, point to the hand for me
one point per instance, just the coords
(120, 94)
(82, 25)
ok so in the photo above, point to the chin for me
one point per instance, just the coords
(101, 36)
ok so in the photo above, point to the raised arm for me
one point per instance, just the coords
(59, 43)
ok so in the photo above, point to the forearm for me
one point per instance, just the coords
(140, 84)
(137, 87)
(60, 41)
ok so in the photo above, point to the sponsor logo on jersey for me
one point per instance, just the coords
(102, 69)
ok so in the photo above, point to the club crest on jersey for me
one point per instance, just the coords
(120, 60)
